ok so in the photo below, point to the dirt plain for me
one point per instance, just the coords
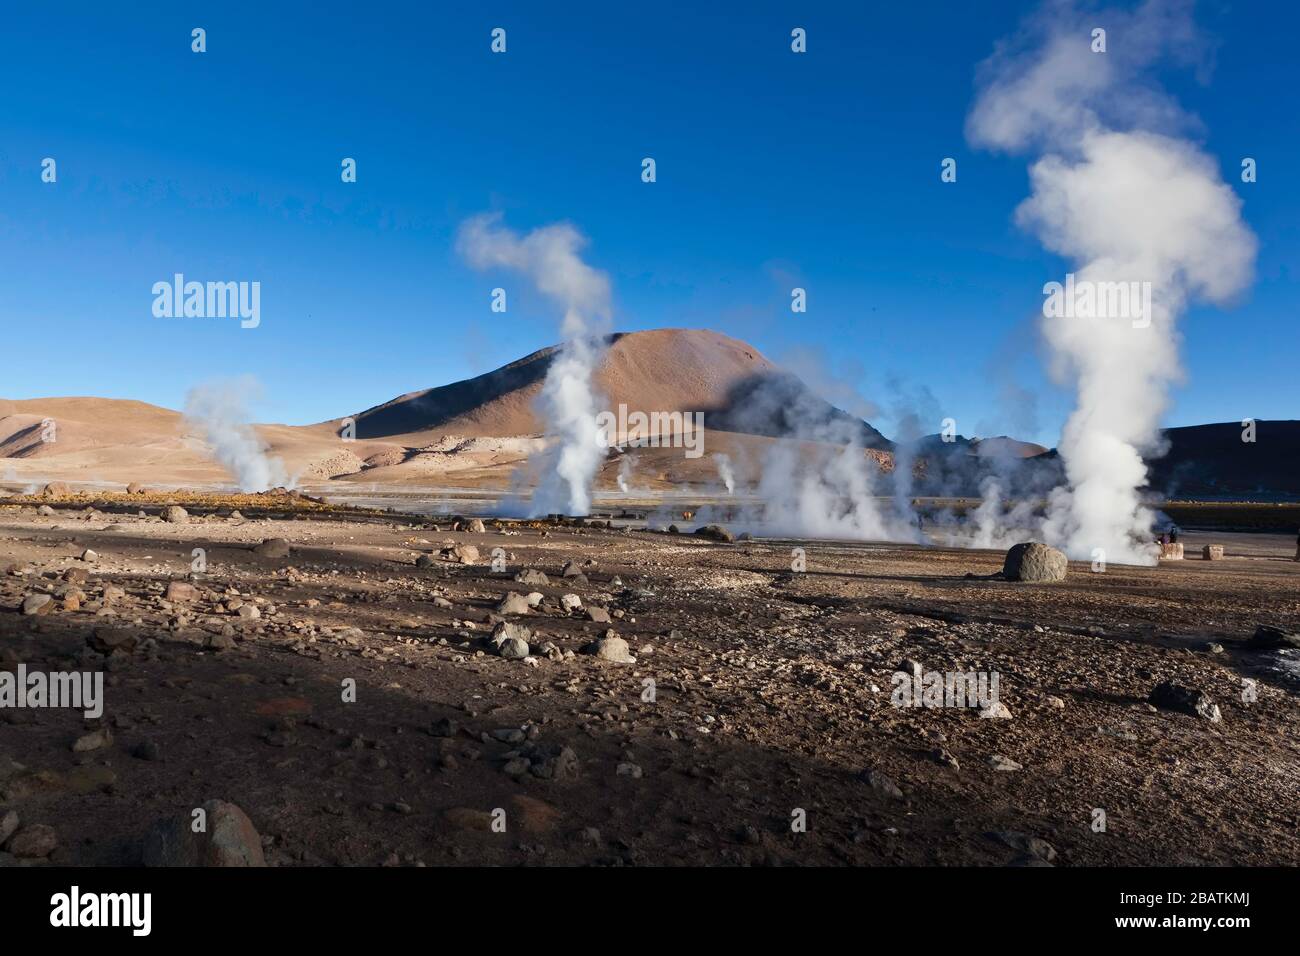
(771, 695)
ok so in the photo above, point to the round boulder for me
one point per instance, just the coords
(1033, 561)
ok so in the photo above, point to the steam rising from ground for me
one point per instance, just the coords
(725, 472)
(549, 257)
(822, 481)
(220, 409)
(1117, 193)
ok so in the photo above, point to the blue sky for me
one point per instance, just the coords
(774, 169)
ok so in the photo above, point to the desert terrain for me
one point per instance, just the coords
(746, 692)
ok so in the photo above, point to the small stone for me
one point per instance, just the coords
(33, 842)
(93, 741)
(995, 711)
(230, 839)
(629, 770)
(1005, 764)
(446, 727)
(36, 604)
(273, 548)
(513, 603)
(147, 750)
(611, 647)
(880, 783)
(174, 514)
(180, 592)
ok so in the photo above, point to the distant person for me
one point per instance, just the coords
(1297, 546)
(1173, 536)
(1164, 538)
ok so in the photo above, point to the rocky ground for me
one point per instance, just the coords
(342, 688)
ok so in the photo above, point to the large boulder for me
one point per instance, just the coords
(1033, 561)
(229, 839)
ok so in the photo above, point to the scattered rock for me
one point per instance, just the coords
(880, 783)
(598, 615)
(533, 577)
(181, 592)
(38, 604)
(90, 557)
(230, 839)
(33, 842)
(611, 647)
(273, 548)
(1185, 700)
(513, 603)
(570, 602)
(460, 553)
(510, 640)
(715, 532)
(445, 727)
(1034, 846)
(174, 514)
(1005, 764)
(106, 640)
(95, 740)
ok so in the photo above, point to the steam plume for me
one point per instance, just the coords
(1117, 191)
(220, 409)
(725, 471)
(549, 256)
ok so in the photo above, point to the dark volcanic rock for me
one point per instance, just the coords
(1185, 700)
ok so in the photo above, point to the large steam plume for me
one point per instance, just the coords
(1118, 191)
(221, 410)
(549, 257)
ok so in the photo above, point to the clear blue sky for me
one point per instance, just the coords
(774, 169)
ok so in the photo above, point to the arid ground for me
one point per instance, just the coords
(770, 695)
